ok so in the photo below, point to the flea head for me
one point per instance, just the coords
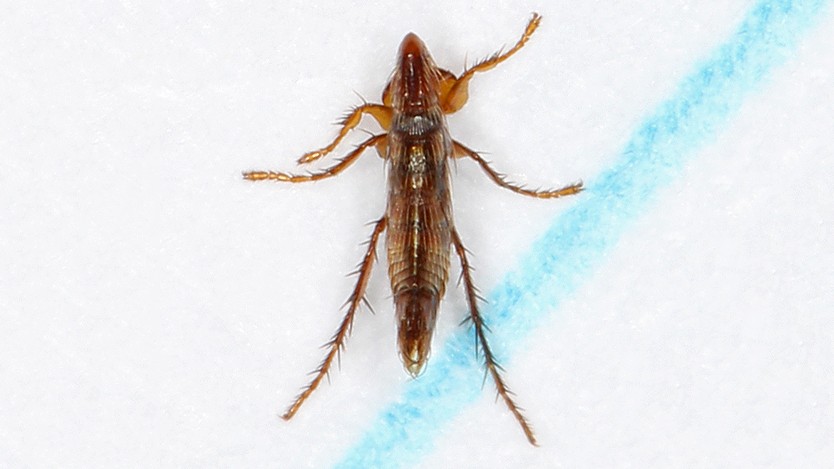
(416, 316)
(414, 84)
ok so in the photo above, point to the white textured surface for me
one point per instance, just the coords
(157, 311)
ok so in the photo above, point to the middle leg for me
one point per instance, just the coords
(334, 170)
(498, 178)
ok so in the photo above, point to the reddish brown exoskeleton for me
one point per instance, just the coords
(418, 219)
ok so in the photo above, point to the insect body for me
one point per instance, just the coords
(419, 209)
(418, 218)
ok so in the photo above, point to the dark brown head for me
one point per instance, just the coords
(416, 316)
(414, 85)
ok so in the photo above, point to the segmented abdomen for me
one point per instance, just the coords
(419, 229)
(418, 245)
(419, 213)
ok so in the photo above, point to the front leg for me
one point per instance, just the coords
(381, 113)
(456, 90)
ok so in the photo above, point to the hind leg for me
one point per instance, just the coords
(337, 343)
(480, 337)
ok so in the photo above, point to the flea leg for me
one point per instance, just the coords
(381, 113)
(382, 148)
(480, 338)
(500, 179)
(455, 92)
(337, 343)
(334, 170)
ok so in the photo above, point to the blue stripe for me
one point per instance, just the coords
(578, 240)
